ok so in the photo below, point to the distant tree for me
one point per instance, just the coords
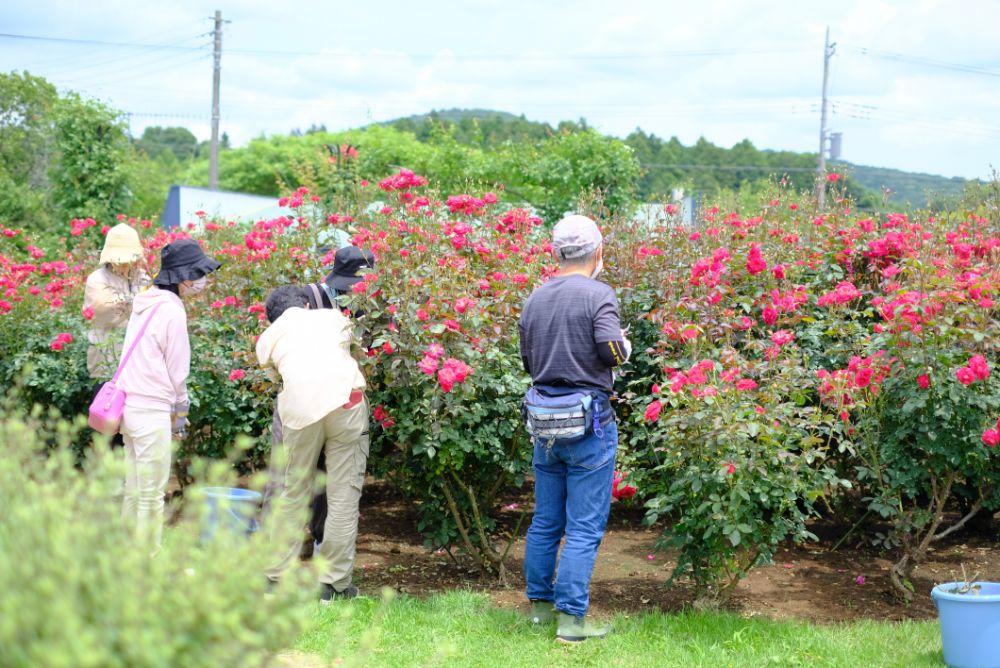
(151, 180)
(90, 172)
(554, 173)
(179, 141)
(26, 121)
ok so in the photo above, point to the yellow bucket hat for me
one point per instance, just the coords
(121, 245)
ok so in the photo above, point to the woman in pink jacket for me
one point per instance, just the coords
(155, 383)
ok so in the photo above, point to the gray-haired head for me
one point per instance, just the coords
(283, 298)
(575, 238)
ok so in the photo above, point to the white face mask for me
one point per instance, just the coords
(598, 269)
(194, 287)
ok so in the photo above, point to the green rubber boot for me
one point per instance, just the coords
(577, 629)
(542, 612)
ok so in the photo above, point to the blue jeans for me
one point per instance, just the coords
(572, 499)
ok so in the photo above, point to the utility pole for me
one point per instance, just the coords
(213, 161)
(828, 50)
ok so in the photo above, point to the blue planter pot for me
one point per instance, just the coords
(229, 510)
(970, 625)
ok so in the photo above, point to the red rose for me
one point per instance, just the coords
(863, 377)
(620, 490)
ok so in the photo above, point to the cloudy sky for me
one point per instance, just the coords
(914, 84)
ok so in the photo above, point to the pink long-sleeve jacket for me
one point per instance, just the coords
(155, 376)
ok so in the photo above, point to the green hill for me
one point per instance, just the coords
(480, 126)
(702, 166)
(910, 188)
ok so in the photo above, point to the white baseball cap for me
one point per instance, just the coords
(575, 236)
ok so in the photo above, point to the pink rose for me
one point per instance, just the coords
(781, 337)
(446, 378)
(755, 261)
(428, 365)
(980, 367)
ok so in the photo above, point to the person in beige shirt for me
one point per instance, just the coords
(107, 299)
(322, 408)
(107, 302)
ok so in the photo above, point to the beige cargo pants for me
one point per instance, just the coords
(343, 434)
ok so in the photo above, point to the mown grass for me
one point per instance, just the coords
(463, 629)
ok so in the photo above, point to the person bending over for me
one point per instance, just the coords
(323, 409)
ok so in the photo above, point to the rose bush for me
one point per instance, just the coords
(726, 434)
(785, 360)
(924, 434)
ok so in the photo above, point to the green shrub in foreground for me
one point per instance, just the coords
(78, 591)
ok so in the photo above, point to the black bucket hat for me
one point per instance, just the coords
(183, 260)
(347, 262)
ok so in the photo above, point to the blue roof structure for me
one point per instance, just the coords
(184, 201)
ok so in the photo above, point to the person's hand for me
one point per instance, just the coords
(179, 428)
(178, 416)
(626, 343)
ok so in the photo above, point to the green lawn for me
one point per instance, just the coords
(462, 629)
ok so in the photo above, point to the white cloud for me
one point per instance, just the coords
(549, 61)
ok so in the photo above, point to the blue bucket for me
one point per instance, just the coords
(231, 509)
(970, 625)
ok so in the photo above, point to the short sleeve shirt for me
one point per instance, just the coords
(562, 324)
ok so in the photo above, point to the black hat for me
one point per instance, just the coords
(183, 260)
(347, 262)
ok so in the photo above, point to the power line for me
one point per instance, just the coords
(867, 112)
(157, 70)
(91, 51)
(156, 114)
(93, 42)
(700, 53)
(728, 168)
(689, 53)
(143, 66)
(928, 62)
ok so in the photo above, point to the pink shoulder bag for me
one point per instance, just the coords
(108, 406)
